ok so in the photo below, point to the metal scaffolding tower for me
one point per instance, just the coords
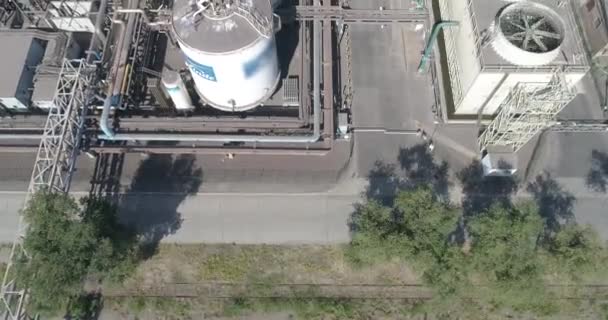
(54, 164)
(528, 109)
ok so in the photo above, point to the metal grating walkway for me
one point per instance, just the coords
(291, 94)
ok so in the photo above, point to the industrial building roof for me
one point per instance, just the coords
(484, 13)
(13, 60)
(225, 30)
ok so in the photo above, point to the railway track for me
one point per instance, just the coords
(222, 290)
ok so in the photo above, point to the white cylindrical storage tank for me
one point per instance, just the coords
(174, 84)
(230, 50)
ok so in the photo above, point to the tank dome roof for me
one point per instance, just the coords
(221, 26)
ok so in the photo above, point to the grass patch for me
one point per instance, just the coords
(262, 264)
(318, 308)
(227, 268)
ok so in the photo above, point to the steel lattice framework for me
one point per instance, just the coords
(528, 109)
(54, 163)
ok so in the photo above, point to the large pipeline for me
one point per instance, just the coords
(98, 34)
(118, 67)
(109, 134)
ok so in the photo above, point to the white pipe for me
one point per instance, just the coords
(211, 138)
(120, 53)
(98, 34)
(316, 74)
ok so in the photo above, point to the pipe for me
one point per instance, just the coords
(316, 52)
(212, 138)
(117, 70)
(110, 135)
(429, 44)
(18, 136)
(144, 15)
(98, 34)
(105, 115)
(107, 103)
(123, 56)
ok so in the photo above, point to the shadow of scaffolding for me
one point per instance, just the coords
(105, 182)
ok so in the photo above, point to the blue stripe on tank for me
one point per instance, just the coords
(206, 72)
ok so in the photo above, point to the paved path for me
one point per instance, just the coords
(224, 218)
(249, 218)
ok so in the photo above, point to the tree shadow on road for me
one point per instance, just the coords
(383, 183)
(555, 205)
(421, 169)
(597, 178)
(417, 167)
(161, 183)
(480, 192)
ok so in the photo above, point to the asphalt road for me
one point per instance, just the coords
(207, 198)
(290, 218)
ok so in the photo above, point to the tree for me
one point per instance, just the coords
(117, 251)
(59, 251)
(417, 226)
(505, 254)
(65, 243)
(577, 249)
(505, 242)
(424, 221)
(374, 239)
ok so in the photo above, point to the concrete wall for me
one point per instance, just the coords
(461, 49)
(491, 88)
(480, 92)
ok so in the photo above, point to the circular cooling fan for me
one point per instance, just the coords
(528, 33)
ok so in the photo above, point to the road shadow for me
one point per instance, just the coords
(421, 169)
(416, 167)
(160, 184)
(597, 178)
(480, 192)
(383, 183)
(555, 205)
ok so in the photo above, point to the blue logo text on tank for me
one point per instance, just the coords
(206, 72)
